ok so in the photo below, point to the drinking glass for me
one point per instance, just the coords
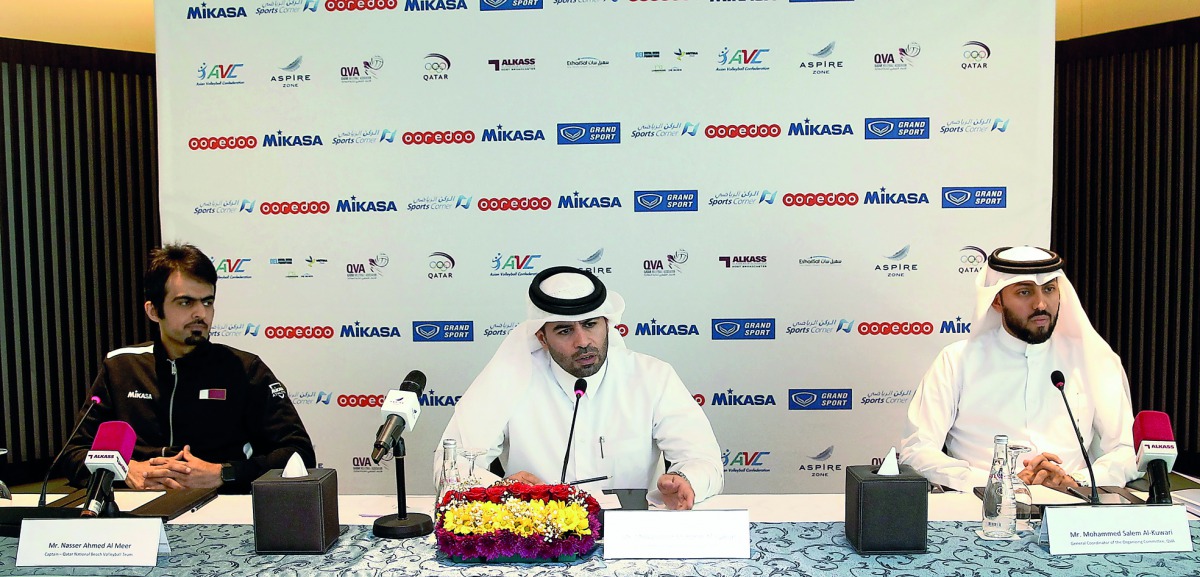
(472, 453)
(1020, 489)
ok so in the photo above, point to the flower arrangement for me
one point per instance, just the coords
(517, 522)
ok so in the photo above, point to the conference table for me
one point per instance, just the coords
(789, 534)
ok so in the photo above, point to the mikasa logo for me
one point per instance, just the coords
(137, 395)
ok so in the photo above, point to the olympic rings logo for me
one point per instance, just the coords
(309, 332)
(352, 5)
(222, 142)
(295, 207)
(515, 203)
(444, 137)
(742, 130)
(975, 55)
(972, 259)
(894, 328)
(360, 400)
(436, 66)
(820, 199)
(440, 265)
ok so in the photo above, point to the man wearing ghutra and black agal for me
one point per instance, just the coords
(635, 411)
(1028, 323)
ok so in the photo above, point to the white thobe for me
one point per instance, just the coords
(997, 384)
(635, 412)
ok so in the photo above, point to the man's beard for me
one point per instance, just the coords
(1018, 328)
(196, 337)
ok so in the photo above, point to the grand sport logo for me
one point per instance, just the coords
(909, 128)
(443, 331)
(590, 133)
(666, 200)
(975, 197)
(820, 399)
(743, 329)
(494, 5)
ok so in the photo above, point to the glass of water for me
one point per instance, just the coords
(1020, 490)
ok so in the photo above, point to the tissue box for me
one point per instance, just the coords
(886, 514)
(296, 515)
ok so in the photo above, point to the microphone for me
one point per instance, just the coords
(1156, 453)
(401, 407)
(46, 481)
(1059, 381)
(108, 460)
(580, 389)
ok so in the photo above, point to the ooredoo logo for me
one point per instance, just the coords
(299, 332)
(295, 207)
(896, 328)
(222, 142)
(439, 137)
(742, 130)
(360, 400)
(353, 5)
(515, 203)
(820, 199)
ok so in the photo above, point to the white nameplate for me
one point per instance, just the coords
(1115, 529)
(91, 542)
(677, 534)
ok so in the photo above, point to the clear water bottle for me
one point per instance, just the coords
(449, 476)
(999, 501)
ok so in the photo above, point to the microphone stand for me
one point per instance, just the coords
(402, 525)
(1078, 437)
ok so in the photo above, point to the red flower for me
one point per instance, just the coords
(476, 494)
(539, 493)
(496, 494)
(560, 492)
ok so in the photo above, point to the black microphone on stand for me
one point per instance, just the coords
(46, 481)
(1059, 382)
(580, 389)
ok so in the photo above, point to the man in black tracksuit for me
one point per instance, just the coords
(206, 415)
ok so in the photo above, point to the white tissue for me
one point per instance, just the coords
(889, 468)
(294, 467)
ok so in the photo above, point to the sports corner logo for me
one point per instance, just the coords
(440, 265)
(590, 133)
(902, 59)
(226, 206)
(372, 269)
(442, 202)
(203, 12)
(742, 60)
(432, 5)
(591, 263)
(889, 397)
(499, 329)
(745, 461)
(820, 327)
(514, 265)
(743, 197)
(909, 128)
(291, 77)
(363, 73)
(743, 329)
(975, 55)
(353, 5)
(219, 330)
(368, 136)
(665, 130)
(896, 268)
(232, 268)
(437, 67)
(971, 259)
(670, 266)
(975, 125)
(822, 62)
(310, 397)
(443, 331)
(975, 197)
(666, 200)
(495, 5)
(273, 7)
(512, 64)
(820, 399)
(219, 74)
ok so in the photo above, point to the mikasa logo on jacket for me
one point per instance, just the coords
(137, 395)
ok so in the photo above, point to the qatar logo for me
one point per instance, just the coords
(906, 128)
(590, 133)
(975, 197)
(820, 400)
(443, 331)
(359, 5)
(440, 265)
(437, 66)
(971, 259)
(742, 130)
(896, 328)
(494, 5)
(666, 201)
(743, 329)
(975, 55)
(222, 142)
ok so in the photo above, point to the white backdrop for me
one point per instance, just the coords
(766, 182)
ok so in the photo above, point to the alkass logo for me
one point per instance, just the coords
(439, 137)
(299, 332)
(820, 199)
(355, 5)
(515, 203)
(896, 328)
(742, 130)
(221, 142)
(295, 207)
(360, 400)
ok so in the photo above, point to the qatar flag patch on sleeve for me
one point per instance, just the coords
(212, 394)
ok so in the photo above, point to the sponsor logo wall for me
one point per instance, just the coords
(794, 198)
